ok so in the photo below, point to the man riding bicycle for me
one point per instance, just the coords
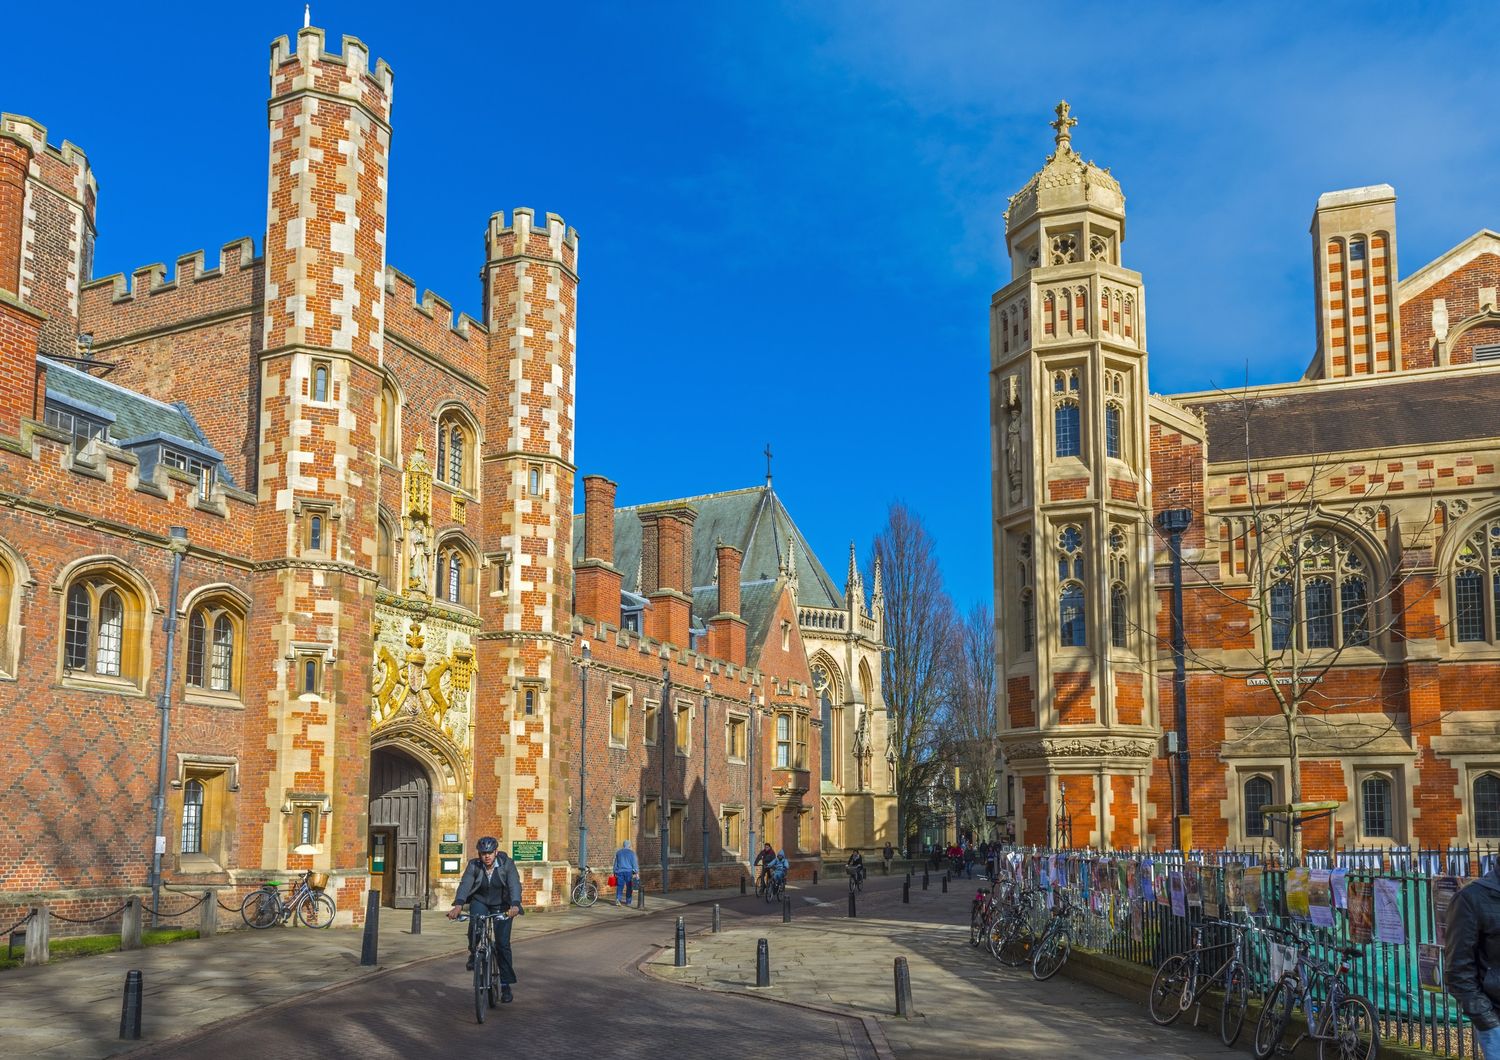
(855, 866)
(779, 866)
(491, 884)
(763, 859)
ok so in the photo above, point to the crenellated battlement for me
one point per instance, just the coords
(299, 69)
(428, 322)
(113, 307)
(64, 169)
(522, 238)
(152, 279)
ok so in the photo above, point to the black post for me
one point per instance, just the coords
(640, 895)
(924, 879)
(130, 1009)
(369, 949)
(762, 963)
(945, 883)
(742, 883)
(852, 912)
(716, 918)
(679, 958)
(416, 920)
(815, 877)
(906, 889)
(903, 989)
(786, 910)
(1174, 522)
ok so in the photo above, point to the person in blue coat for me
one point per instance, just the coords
(627, 872)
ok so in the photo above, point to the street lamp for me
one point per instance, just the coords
(708, 686)
(1062, 837)
(583, 762)
(177, 544)
(1174, 523)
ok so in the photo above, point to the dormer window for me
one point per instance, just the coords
(202, 470)
(84, 429)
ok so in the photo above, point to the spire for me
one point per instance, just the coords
(879, 597)
(789, 567)
(768, 465)
(854, 584)
(306, 15)
(1063, 127)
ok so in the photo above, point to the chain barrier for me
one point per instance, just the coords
(18, 924)
(185, 909)
(94, 920)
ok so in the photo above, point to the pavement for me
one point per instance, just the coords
(71, 1008)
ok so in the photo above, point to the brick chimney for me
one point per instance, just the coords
(667, 570)
(20, 325)
(596, 582)
(726, 630)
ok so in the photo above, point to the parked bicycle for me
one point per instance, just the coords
(1342, 1022)
(265, 907)
(487, 985)
(1183, 979)
(1013, 931)
(586, 890)
(1056, 942)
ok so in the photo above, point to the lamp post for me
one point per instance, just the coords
(177, 543)
(751, 808)
(1174, 523)
(664, 835)
(583, 762)
(708, 685)
(1062, 837)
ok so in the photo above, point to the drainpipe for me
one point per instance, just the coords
(177, 543)
(583, 765)
(751, 808)
(707, 688)
(664, 833)
(1174, 523)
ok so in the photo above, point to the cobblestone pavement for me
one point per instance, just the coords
(580, 992)
(71, 1008)
(967, 1003)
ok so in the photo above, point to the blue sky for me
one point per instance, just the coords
(790, 215)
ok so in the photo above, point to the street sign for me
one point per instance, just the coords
(991, 810)
(526, 849)
(450, 848)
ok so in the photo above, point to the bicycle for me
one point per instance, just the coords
(1012, 933)
(487, 985)
(1344, 1025)
(1051, 950)
(857, 878)
(1181, 982)
(586, 890)
(265, 907)
(775, 888)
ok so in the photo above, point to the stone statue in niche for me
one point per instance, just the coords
(1013, 457)
(417, 579)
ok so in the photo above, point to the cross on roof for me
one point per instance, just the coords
(768, 463)
(1064, 125)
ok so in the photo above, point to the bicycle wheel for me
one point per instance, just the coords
(1236, 1001)
(976, 926)
(1352, 1033)
(1011, 941)
(1274, 1018)
(260, 909)
(1168, 989)
(494, 979)
(317, 911)
(761, 887)
(1051, 954)
(585, 894)
(481, 981)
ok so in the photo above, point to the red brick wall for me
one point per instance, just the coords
(1130, 700)
(1074, 697)
(1123, 813)
(1020, 704)
(1460, 291)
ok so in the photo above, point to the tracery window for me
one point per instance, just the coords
(1071, 621)
(390, 401)
(102, 627)
(824, 684)
(1067, 427)
(455, 574)
(1257, 796)
(455, 451)
(1320, 597)
(213, 648)
(1025, 595)
(1476, 585)
(1119, 597)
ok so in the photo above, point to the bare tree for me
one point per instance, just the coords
(919, 634)
(971, 729)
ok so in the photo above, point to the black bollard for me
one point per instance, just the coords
(742, 883)
(369, 949)
(679, 958)
(924, 879)
(762, 963)
(716, 918)
(906, 890)
(786, 910)
(416, 920)
(130, 1009)
(945, 884)
(903, 989)
(815, 877)
(851, 902)
(640, 896)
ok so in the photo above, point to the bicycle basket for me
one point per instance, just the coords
(318, 881)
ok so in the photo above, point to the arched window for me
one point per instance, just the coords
(213, 648)
(1113, 417)
(320, 381)
(455, 451)
(1119, 605)
(824, 684)
(385, 554)
(1257, 798)
(103, 624)
(1067, 428)
(455, 574)
(390, 402)
(1071, 621)
(1028, 621)
(1487, 806)
(1375, 807)
(1476, 585)
(1321, 589)
(192, 817)
(7, 603)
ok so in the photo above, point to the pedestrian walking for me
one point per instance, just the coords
(1472, 953)
(627, 871)
(888, 855)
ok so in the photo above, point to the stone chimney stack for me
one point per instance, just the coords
(596, 582)
(726, 630)
(667, 570)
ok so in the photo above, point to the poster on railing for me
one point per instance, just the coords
(1132, 879)
(1194, 885)
(1209, 889)
(1137, 922)
(1179, 893)
(1234, 888)
(1297, 881)
(1283, 959)
(1253, 880)
(1320, 897)
(1444, 890)
(1148, 880)
(1338, 883)
(1361, 912)
(1389, 927)
(1430, 967)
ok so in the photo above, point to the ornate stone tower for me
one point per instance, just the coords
(314, 534)
(523, 721)
(1073, 536)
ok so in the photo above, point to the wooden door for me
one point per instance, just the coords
(401, 801)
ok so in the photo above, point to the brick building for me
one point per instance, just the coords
(378, 657)
(1341, 550)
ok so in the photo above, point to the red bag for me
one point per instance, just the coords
(612, 881)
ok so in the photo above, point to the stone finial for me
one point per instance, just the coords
(1063, 127)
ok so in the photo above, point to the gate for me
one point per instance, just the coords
(401, 803)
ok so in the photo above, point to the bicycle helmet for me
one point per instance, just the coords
(489, 844)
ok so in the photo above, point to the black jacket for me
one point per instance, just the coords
(1471, 950)
(501, 887)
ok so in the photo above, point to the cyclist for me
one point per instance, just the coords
(491, 884)
(779, 866)
(763, 859)
(855, 866)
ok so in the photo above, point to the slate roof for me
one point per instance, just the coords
(1350, 418)
(756, 522)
